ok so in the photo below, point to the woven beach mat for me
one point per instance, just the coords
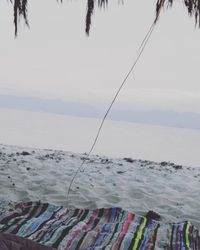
(107, 228)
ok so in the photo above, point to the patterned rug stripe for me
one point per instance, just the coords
(82, 229)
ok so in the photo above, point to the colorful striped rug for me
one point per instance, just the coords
(107, 228)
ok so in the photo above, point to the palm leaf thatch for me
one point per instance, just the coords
(90, 10)
(20, 10)
(193, 8)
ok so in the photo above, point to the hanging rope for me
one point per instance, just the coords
(140, 51)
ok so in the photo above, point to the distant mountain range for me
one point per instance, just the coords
(155, 117)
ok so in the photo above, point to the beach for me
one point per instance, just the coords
(29, 174)
(100, 125)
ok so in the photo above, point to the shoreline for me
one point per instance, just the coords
(118, 139)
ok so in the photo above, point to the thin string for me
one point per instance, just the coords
(140, 51)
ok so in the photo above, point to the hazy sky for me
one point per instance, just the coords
(56, 60)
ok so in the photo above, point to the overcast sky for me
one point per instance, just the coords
(56, 60)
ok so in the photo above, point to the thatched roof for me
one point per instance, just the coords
(20, 10)
(193, 8)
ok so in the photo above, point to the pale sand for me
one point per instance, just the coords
(136, 185)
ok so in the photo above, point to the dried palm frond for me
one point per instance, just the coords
(193, 7)
(102, 3)
(90, 10)
(20, 10)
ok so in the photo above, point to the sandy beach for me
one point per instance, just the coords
(137, 185)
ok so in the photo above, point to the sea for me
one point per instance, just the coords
(117, 139)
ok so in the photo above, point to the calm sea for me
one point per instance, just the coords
(118, 139)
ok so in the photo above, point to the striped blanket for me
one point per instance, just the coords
(109, 228)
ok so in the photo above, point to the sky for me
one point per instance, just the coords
(55, 60)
